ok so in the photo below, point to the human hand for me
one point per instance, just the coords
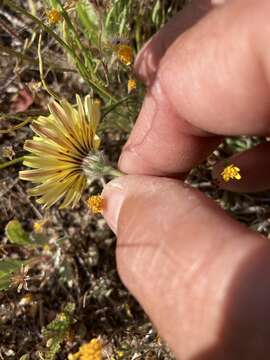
(203, 278)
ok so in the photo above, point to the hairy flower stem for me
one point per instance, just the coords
(95, 166)
(110, 171)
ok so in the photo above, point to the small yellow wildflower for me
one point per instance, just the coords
(95, 203)
(46, 248)
(132, 85)
(231, 172)
(53, 16)
(89, 351)
(120, 354)
(124, 54)
(38, 226)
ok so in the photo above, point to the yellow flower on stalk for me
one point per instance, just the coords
(124, 53)
(54, 16)
(64, 152)
(231, 172)
(89, 351)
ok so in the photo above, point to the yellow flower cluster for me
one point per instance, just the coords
(53, 16)
(231, 172)
(95, 203)
(124, 54)
(89, 351)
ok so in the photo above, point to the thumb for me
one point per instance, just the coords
(195, 270)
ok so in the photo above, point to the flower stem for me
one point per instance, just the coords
(95, 166)
(114, 172)
(11, 162)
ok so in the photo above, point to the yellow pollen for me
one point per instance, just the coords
(124, 54)
(132, 85)
(95, 203)
(231, 172)
(53, 16)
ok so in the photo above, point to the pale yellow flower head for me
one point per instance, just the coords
(63, 151)
(231, 172)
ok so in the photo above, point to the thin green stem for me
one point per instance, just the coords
(76, 35)
(41, 74)
(109, 108)
(110, 171)
(15, 127)
(19, 116)
(11, 162)
(103, 92)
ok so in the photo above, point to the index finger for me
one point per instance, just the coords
(212, 80)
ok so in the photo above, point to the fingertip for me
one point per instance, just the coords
(119, 190)
(113, 194)
(167, 250)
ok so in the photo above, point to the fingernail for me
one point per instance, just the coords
(113, 194)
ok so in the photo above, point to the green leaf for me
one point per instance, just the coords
(7, 268)
(16, 234)
(56, 332)
(4, 282)
(10, 266)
